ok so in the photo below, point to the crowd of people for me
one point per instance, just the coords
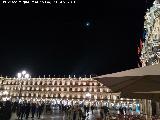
(22, 109)
(77, 112)
(25, 109)
(5, 110)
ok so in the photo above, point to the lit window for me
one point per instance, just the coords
(95, 83)
(62, 95)
(22, 94)
(23, 88)
(57, 88)
(84, 89)
(67, 88)
(67, 95)
(36, 94)
(33, 83)
(73, 95)
(79, 83)
(95, 96)
(51, 95)
(78, 89)
(84, 83)
(90, 89)
(62, 89)
(101, 89)
(9, 82)
(37, 88)
(68, 83)
(78, 96)
(24, 83)
(53, 82)
(73, 89)
(95, 90)
(73, 82)
(63, 82)
(38, 83)
(47, 88)
(90, 83)
(48, 83)
(28, 88)
(58, 82)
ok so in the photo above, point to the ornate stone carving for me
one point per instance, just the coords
(150, 53)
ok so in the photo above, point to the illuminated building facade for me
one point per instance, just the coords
(68, 89)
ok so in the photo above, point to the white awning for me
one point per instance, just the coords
(140, 81)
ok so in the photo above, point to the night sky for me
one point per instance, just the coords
(89, 37)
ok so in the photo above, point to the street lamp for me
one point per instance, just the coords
(5, 93)
(22, 75)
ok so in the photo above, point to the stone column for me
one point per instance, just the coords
(149, 108)
(141, 106)
(157, 108)
(145, 106)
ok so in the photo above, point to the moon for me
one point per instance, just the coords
(88, 24)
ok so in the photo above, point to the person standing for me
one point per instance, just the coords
(33, 109)
(22, 110)
(102, 113)
(18, 110)
(69, 113)
(1, 109)
(27, 111)
(74, 114)
(39, 110)
(92, 108)
(85, 108)
(15, 104)
(7, 110)
(79, 113)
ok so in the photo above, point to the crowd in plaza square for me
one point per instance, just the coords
(27, 109)
(30, 110)
(22, 109)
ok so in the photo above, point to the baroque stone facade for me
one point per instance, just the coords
(55, 88)
(150, 53)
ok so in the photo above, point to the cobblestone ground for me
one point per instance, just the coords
(56, 115)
